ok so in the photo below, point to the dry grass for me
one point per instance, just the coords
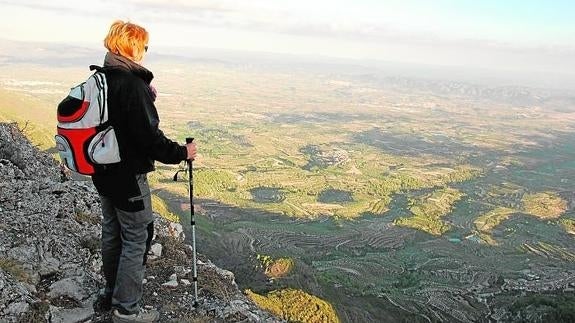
(15, 269)
(544, 205)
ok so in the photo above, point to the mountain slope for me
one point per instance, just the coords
(50, 258)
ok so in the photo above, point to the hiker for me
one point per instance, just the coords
(127, 226)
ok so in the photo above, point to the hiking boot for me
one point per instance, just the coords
(103, 302)
(144, 316)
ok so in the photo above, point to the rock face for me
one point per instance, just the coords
(50, 263)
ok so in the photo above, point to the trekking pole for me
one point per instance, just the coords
(193, 222)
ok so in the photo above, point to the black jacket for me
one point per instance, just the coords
(132, 113)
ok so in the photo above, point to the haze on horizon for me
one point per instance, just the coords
(530, 39)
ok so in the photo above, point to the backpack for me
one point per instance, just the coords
(85, 140)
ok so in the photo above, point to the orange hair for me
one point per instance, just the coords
(127, 39)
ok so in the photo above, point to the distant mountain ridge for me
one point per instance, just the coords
(516, 95)
(387, 74)
(54, 54)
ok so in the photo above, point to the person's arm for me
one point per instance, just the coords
(144, 129)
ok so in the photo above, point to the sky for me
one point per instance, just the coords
(513, 35)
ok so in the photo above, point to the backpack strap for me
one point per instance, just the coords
(100, 80)
(97, 68)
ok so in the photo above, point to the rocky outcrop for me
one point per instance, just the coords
(50, 251)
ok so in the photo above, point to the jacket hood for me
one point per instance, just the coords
(117, 61)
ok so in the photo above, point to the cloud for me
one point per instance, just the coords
(179, 5)
(324, 27)
(60, 6)
(321, 19)
(305, 21)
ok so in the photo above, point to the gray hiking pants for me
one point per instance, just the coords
(126, 238)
